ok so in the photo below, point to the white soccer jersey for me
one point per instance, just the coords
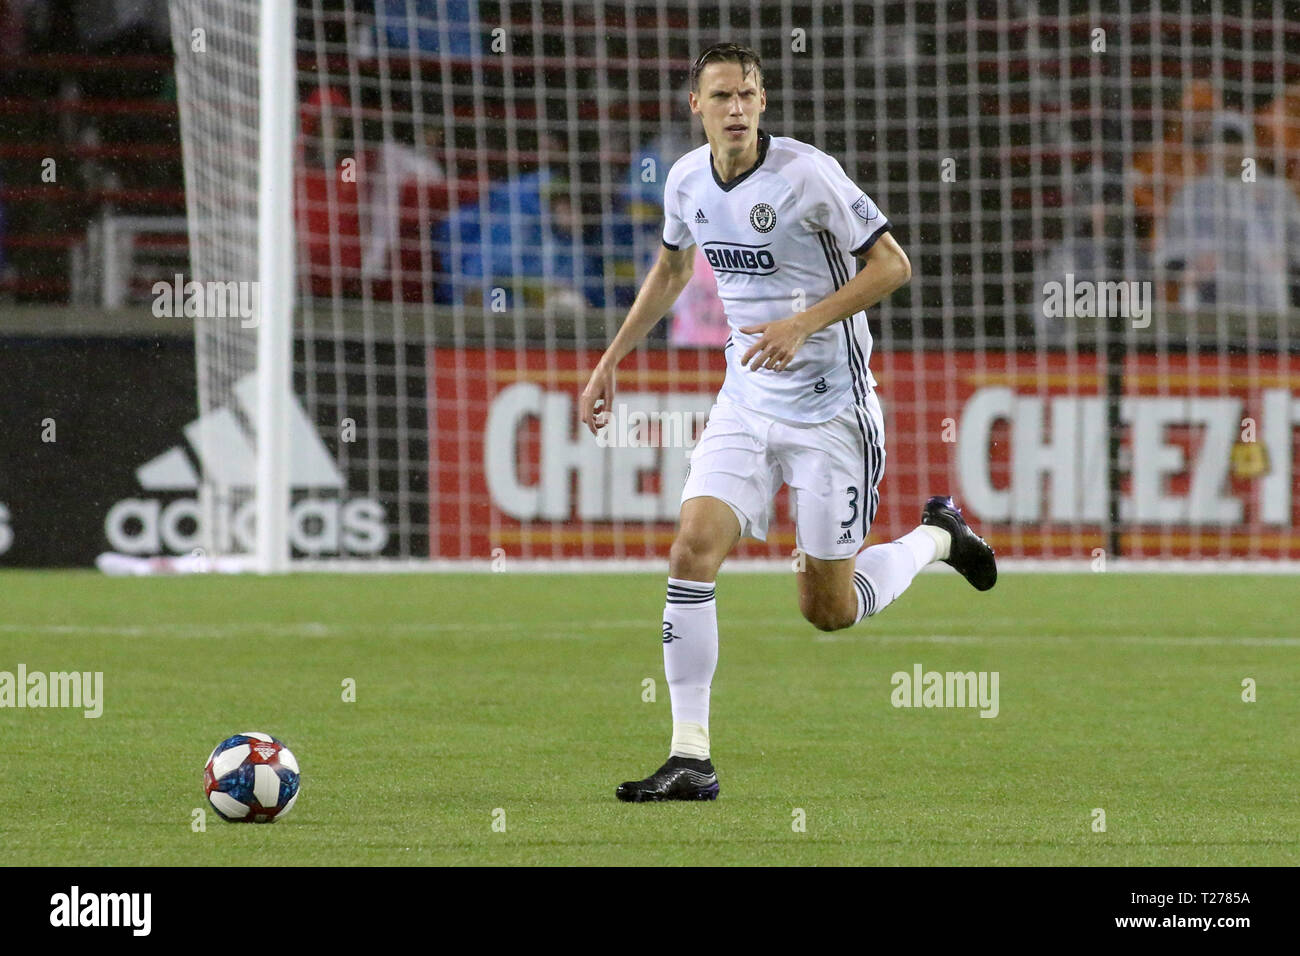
(780, 238)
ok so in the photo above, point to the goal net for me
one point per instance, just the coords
(1095, 354)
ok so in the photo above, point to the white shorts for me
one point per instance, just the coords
(833, 469)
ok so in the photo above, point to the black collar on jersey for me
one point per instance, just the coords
(763, 140)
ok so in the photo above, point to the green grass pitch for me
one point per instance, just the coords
(524, 694)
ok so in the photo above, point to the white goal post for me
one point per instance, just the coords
(447, 206)
(277, 99)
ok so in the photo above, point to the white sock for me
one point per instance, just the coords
(690, 657)
(884, 571)
(942, 540)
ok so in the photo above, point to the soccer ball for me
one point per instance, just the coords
(251, 778)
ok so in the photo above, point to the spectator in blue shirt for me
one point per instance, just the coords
(548, 259)
(449, 27)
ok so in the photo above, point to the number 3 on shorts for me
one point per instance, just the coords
(853, 502)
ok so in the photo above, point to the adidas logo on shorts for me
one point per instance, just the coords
(846, 538)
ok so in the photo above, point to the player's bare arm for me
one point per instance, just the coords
(664, 283)
(885, 269)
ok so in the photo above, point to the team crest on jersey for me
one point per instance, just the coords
(866, 209)
(762, 217)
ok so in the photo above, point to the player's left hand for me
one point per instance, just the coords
(778, 341)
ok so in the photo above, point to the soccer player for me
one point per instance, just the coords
(779, 222)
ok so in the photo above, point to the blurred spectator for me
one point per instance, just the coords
(639, 212)
(470, 243)
(328, 214)
(550, 260)
(122, 26)
(641, 197)
(13, 27)
(398, 170)
(441, 26)
(1227, 243)
(1091, 248)
(699, 317)
(459, 243)
(1277, 133)
(650, 165)
(1160, 172)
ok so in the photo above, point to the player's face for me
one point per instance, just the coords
(729, 104)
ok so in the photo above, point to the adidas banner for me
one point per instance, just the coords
(104, 448)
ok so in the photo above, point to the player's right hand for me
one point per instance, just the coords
(598, 397)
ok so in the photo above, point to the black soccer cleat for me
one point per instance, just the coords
(970, 554)
(681, 778)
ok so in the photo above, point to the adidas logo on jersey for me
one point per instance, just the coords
(846, 538)
(700, 218)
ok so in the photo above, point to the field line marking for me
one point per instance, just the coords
(1209, 640)
(583, 629)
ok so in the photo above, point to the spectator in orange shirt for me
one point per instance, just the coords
(1231, 239)
(1277, 132)
(1180, 155)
